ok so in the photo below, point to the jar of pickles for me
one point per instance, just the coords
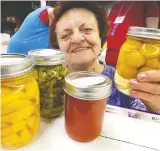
(139, 53)
(50, 72)
(20, 115)
(86, 95)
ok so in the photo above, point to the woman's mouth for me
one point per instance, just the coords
(80, 49)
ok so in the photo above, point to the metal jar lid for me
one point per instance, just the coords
(87, 85)
(47, 56)
(144, 32)
(13, 65)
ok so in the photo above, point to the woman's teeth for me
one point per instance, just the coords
(80, 49)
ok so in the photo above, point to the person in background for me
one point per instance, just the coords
(79, 29)
(33, 33)
(124, 14)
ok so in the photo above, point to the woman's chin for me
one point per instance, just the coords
(81, 62)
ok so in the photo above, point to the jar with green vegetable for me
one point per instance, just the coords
(50, 71)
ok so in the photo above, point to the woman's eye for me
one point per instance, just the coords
(64, 37)
(87, 29)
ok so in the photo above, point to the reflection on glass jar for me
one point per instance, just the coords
(20, 116)
(50, 72)
(85, 102)
(139, 53)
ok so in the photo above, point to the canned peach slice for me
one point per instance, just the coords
(134, 59)
(121, 57)
(14, 82)
(16, 106)
(131, 45)
(143, 69)
(3, 125)
(14, 128)
(25, 135)
(126, 71)
(153, 63)
(19, 115)
(149, 50)
(11, 141)
(31, 89)
(33, 123)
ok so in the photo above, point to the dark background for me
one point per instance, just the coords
(20, 9)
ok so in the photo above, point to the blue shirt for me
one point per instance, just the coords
(33, 34)
(119, 99)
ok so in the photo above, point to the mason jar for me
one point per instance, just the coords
(50, 71)
(20, 115)
(139, 53)
(86, 95)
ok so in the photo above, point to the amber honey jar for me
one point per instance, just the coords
(86, 97)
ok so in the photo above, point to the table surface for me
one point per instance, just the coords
(119, 133)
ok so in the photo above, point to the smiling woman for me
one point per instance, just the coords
(79, 35)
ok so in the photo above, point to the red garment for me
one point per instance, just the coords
(135, 16)
(44, 17)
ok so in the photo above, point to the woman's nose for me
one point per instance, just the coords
(77, 38)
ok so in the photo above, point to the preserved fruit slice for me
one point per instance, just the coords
(126, 71)
(143, 69)
(134, 59)
(131, 45)
(149, 50)
(153, 63)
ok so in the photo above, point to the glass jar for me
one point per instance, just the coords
(139, 53)
(86, 96)
(20, 115)
(50, 72)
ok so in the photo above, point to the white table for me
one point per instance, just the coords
(120, 133)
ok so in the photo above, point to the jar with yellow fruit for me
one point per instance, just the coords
(50, 71)
(20, 115)
(139, 53)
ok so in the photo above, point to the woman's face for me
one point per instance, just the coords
(78, 35)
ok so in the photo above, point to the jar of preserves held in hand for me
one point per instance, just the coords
(50, 72)
(139, 53)
(20, 110)
(86, 95)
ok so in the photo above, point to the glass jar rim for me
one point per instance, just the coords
(47, 56)
(98, 90)
(13, 65)
(143, 32)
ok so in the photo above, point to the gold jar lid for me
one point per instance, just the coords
(87, 85)
(13, 65)
(142, 32)
(47, 56)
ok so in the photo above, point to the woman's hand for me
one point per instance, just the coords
(147, 88)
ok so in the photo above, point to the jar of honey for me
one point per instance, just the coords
(86, 96)
(49, 72)
(20, 116)
(139, 53)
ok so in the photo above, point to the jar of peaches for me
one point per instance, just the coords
(20, 116)
(139, 53)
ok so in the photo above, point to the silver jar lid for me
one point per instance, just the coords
(47, 56)
(144, 32)
(13, 65)
(87, 85)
